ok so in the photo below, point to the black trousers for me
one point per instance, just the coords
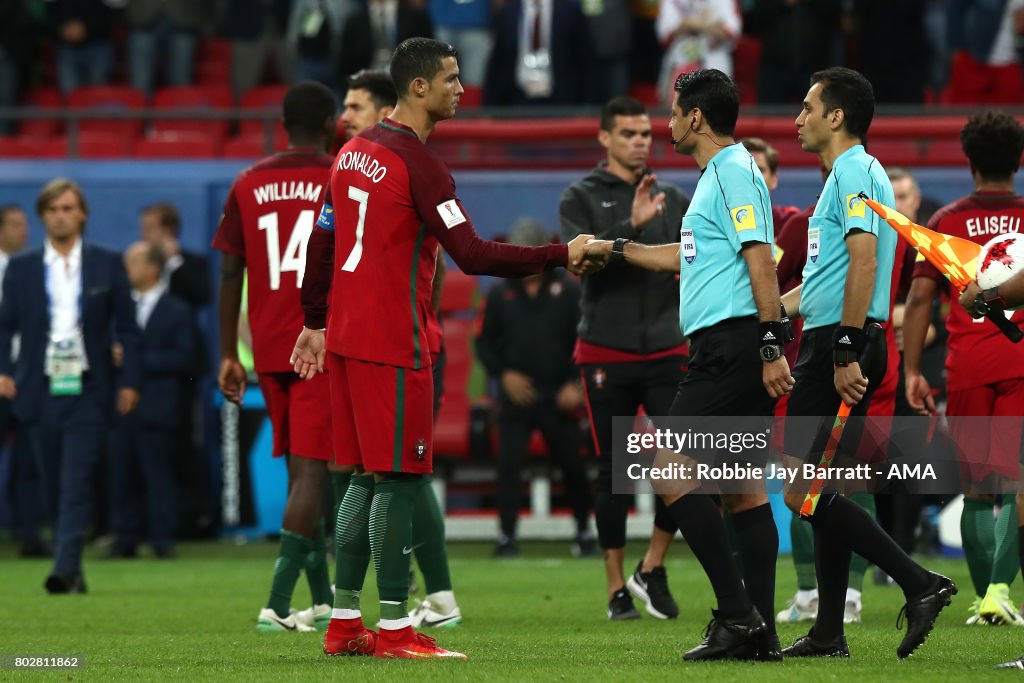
(561, 434)
(616, 390)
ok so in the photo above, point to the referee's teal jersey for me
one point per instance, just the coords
(730, 208)
(838, 212)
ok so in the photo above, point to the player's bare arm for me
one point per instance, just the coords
(764, 284)
(231, 376)
(851, 384)
(662, 258)
(309, 353)
(916, 317)
(791, 300)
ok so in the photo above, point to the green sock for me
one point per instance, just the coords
(859, 565)
(977, 529)
(1005, 562)
(352, 542)
(428, 539)
(291, 559)
(339, 484)
(391, 542)
(802, 535)
(317, 575)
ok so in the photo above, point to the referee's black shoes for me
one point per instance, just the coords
(728, 638)
(58, 584)
(807, 646)
(921, 613)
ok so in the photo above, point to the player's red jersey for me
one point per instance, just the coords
(977, 352)
(391, 201)
(268, 217)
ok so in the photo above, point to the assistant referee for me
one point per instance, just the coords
(844, 301)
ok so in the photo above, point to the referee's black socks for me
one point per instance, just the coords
(759, 549)
(842, 520)
(698, 518)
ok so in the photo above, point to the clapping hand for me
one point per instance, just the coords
(645, 206)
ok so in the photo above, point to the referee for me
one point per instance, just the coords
(630, 350)
(730, 310)
(844, 300)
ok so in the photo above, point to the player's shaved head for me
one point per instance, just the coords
(993, 142)
(307, 106)
(418, 58)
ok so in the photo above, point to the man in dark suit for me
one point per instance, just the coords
(67, 300)
(541, 55)
(142, 456)
(375, 28)
(186, 275)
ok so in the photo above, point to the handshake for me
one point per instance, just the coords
(588, 255)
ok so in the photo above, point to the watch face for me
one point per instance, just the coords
(770, 353)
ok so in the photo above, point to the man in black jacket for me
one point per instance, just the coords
(526, 344)
(630, 349)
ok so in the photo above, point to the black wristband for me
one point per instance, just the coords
(787, 324)
(847, 345)
(771, 333)
(617, 254)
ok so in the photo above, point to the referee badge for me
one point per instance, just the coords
(688, 245)
(420, 449)
(598, 378)
(743, 217)
(813, 244)
(855, 206)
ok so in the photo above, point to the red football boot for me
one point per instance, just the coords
(407, 644)
(349, 637)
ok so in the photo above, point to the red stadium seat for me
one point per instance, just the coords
(180, 145)
(31, 147)
(102, 146)
(459, 292)
(451, 432)
(114, 97)
(198, 97)
(253, 146)
(746, 58)
(90, 146)
(41, 98)
(262, 98)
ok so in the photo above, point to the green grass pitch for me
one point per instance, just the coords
(539, 618)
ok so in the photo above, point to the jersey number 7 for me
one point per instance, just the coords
(354, 256)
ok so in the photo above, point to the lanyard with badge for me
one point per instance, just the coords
(65, 352)
(533, 72)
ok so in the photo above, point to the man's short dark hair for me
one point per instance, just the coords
(771, 155)
(714, 93)
(846, 89)
(7, 209)
(307, 106)
(620, 106)
(993, 142)
(378, 84)
(155, 255)
(168, 215)
(418, 58)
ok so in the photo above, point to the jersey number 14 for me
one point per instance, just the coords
(293, 260)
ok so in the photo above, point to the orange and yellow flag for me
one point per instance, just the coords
(955, 257)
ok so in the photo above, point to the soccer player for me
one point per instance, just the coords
(267, 220)
(391, 201)
(371, 98)
(730, 310)
(844, 300)
(629, 349)
(984, 370)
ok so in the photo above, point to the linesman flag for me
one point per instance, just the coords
(955, 257)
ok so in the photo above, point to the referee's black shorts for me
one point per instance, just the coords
(724, 377)
(815, 395)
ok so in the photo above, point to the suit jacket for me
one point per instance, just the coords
(191, 281)
(570, 57)
(357, 44)
(168, 346)
(107, 308)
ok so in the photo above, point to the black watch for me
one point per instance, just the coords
(770, 352)
(989, 301)
(618, 245)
